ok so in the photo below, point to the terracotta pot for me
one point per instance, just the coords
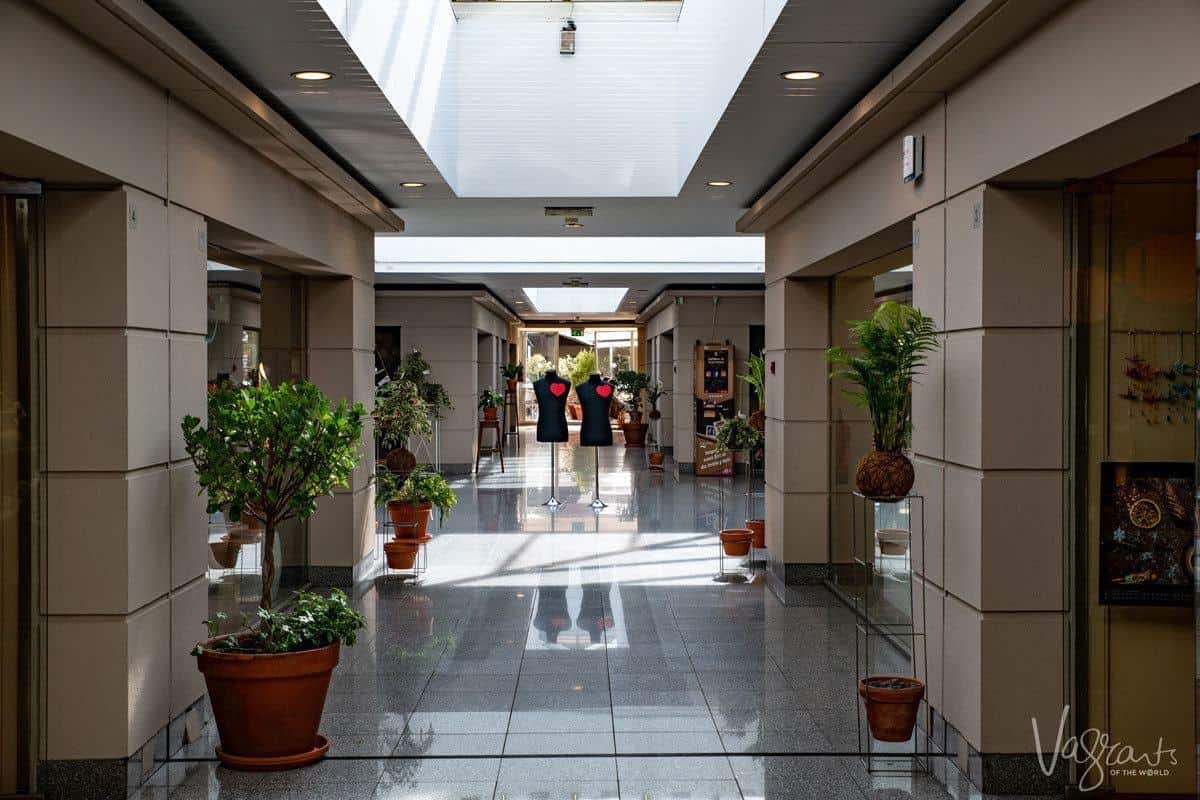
(401, 553)
(736, 541)
(891, 710)
(656, 458)
(267, 706)
(758, 420)
(409, 520)
(635, 434)
(400, 461)
(759, 528)
(655, 414)
(490, 412)
(511, 384)
(225, 553)
(892, 541)
(884, 476)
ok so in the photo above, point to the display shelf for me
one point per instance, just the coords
(890, 629)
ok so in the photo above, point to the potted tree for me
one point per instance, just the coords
(511, 373)
(888, 352)
(631, 383)
(409, 505)
(490, 402)
(736, 434)
(756, 377)
(269, 452)
(400, 414)
(654, 392)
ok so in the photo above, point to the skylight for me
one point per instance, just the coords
(576, 300)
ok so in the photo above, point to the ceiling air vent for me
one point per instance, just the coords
(576, 283)
(568, 211)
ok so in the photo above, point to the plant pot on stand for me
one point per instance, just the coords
(635, 430)
(884, 476)
(892, 703)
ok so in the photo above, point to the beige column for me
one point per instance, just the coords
(989, 442)
(798, 429)
(126, 549)
(341, 360)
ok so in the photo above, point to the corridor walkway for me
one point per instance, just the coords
(575, 655)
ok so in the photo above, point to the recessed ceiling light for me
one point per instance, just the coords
(720, 184)
(312, 75)
(412, 185)
(801, 75)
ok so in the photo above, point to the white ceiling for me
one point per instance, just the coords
(764, 128)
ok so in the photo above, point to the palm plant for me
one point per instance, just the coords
(756, 376)
(889, 351)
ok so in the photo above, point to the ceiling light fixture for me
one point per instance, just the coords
(412, 185)
(801, 75)
(312, 75)
(720, 184)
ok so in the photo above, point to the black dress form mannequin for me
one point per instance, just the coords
(595, 396)
(551, 392)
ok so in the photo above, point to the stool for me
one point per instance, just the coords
(492, 424)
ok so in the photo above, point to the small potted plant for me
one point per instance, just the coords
(511, 373)
(737, 434)
(490, 402)
(756, 377)
(400, 414)
(409, 505)
(631, 383)
(892, 703)
(888, 353)
(270, 452)
(654, 392)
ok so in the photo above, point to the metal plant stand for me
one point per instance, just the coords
(420, 566)
(888, 623)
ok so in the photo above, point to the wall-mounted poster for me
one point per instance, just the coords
(1147, 542)
(715, 380)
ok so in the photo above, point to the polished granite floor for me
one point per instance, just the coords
(579, 654)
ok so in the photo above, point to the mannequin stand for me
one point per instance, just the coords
(553, 503)
(597, 503)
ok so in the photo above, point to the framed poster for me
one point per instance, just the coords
(1147, 544)
(715, 381)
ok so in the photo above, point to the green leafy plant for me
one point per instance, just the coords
(271, 452)
(312, 621)
(422, 487)
(400, 414)
(888, 352)
(490, 399)
(511, 371)
(654, 393)
(583, 367)
(736, 434)
(631, 383)
(756, 376)
(416, 369)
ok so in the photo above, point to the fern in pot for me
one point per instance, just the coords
(888, 351)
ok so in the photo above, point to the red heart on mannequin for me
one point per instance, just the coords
(558, 389)
(604, 390)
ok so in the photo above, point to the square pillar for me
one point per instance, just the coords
(341, 361)
(798, 429)
(989, 445)
(126, 550)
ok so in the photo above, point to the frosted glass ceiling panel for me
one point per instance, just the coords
(576, 300)
(502, 114)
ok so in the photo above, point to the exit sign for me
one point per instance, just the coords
(577, 331)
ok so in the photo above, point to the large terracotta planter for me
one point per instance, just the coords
(491, 413)
(402, 553)
(268, 706)
(736, 541)
(884, 476)
(409, 520)
(635, 433)
(635, 417)
(759, 528)
(224, 553)
(892, 708)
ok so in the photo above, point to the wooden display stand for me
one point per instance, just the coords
(715, 388)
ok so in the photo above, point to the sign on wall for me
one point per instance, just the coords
(1147, 547)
